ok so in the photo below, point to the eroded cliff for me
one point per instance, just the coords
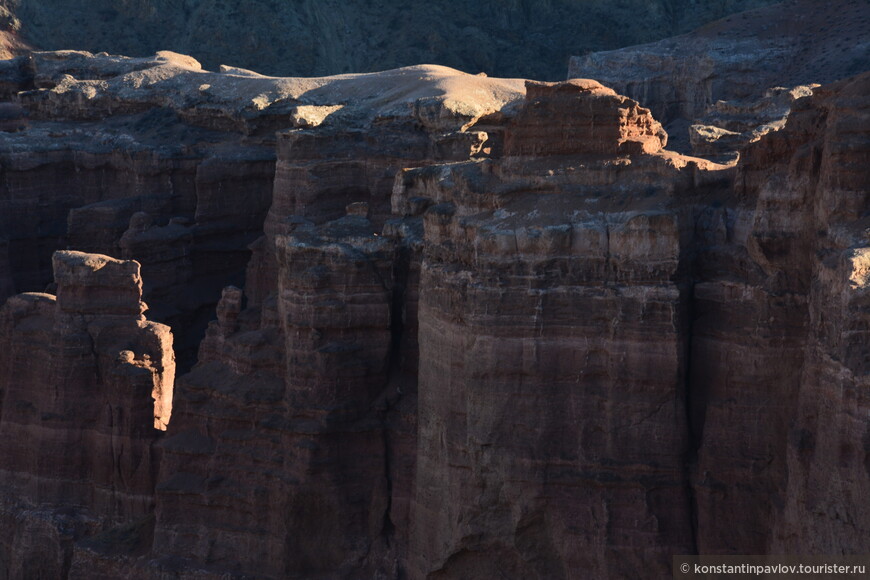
(86, 389)
(487, 327)
(780, 343)
(725, 84)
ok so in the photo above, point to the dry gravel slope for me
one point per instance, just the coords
(508, 38)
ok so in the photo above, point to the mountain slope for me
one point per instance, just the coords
(514, 38)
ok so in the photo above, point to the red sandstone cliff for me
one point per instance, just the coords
(85, 391)
(471, 341)
(780, 343)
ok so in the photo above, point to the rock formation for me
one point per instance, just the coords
(86, 389)
(539, 296)
(486, 328)
(11, 43)
(729, 126)
(739, 59)
(197, 170)
(294, 402)
(91, 158)
(789, 302)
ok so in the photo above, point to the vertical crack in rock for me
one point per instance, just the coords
(399, 276)
(388, 528)
(694, 414)
(694, 242)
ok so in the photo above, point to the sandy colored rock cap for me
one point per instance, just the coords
(593, 119)
(97, 284)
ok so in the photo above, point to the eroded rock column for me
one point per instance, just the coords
(86, 391)
(552, 425)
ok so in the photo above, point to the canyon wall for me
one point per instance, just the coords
(739, 57)
(105, 174)
(546, 444)
(778, 318)
(732, 78)
(486, 328)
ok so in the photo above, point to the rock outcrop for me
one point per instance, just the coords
(781, 339)
(348, 137)
(85, 392)
(11, 43)
(81, 169)
(310, 392)
(295, 402)
(729, 126)
(738, 60)
(540, 296)
(195, 151)
(487, 328)
(605, 123)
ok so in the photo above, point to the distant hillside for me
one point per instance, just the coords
(511, 38)
(10, 40)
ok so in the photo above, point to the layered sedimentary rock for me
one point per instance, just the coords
(428, 115)
(330, 332)
(737, 60)
(110, 137)
(488, 328)
(329, 363)
(545, 305)
(296, 412)
(170, 222)
(780, 343)
(96, 152)
(606, 123)
(86, 391)
(306, 385)
(729, 126)
(740, 57)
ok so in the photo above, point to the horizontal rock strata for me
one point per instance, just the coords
(488, 328)
(782, 328)
(86, 391)
(740, 62)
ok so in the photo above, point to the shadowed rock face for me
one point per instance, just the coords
(111, 137)
(487, 328)
(736, 74)
(6, 284)
(86, 390)
(93, 158)
(547, 443)
(740, 57)
(298, 402)
(793, 310)
(368, 128)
